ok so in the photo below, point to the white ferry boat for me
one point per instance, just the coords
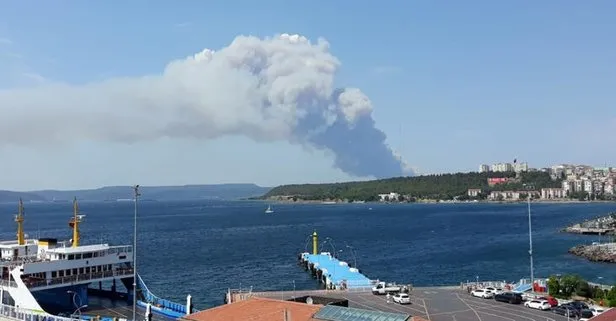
(46, 276)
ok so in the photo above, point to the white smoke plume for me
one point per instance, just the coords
(279, 88)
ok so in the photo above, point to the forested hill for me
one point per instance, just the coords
(441, 186)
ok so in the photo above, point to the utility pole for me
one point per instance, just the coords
(136, 190)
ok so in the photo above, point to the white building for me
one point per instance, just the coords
(550, 193)
(473, 192)
(484, 168)
(588, 186)
(502, 167)
(520, 167)
(389, 197)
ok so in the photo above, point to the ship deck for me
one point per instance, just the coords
(432, 303)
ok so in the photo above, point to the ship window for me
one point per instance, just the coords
(95, 254)
(71, 257)
(78, 256)
(80, 270)
(87, 255)
(109, 267)
(61, 273)
(74, 271)
(88, 269)
(54, 274)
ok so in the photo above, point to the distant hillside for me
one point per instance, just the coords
(8, 196)
(441, 186)
(158, 193)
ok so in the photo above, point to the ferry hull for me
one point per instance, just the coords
(64, 299)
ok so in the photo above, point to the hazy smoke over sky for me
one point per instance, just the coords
(279, 88)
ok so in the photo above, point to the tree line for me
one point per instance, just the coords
(438, 186)
(566, 286)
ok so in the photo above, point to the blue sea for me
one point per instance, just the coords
(203, 248)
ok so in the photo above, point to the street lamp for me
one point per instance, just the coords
(136, 191)
(528, 187)
(353, 253)
(78, 308)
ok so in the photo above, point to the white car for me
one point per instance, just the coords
(402, 298)
(596, 310)
(482, 293)
(538, 304)
(494, 290)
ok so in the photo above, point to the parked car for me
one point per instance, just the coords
(509, 297)
(586, 315)
(571, 309)
(494, 290)
(538, 304)
(402, 298)
(567, 310)
(596, 310)
(482, 293)
(551, 300)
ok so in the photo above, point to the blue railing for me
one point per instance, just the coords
(161, 306)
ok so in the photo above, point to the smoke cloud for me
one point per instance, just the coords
(279, 88)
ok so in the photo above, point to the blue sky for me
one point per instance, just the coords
(452, 85)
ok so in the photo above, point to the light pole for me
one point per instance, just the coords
(78, 308)
(136, 190)
(354, 256)
(530, 242)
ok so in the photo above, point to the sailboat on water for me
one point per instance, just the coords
(269, 210)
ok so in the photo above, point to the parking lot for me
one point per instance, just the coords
(438, 304)
(434, 304)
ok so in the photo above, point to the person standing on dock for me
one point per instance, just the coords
(388, 297)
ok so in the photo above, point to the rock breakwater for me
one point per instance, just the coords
(596, 252)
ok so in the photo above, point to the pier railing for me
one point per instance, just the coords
(77, 278)
(161, 303)
(21, 314)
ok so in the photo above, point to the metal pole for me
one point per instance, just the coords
(136, 189)
(530, 251)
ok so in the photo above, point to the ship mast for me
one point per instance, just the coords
(75, 223)
(19, 218)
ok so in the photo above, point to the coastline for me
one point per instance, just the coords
(279, 200)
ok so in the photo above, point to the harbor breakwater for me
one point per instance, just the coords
(596, 252)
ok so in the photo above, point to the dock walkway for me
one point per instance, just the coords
(333, 272)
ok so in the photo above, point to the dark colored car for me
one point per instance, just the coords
(509, 297)
(566, 310)
(571, 309)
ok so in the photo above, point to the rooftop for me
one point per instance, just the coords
(80, 249)
(257, 309)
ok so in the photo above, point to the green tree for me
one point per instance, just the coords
(569, 283)
(598, 293)
(611, 297)
(554, 286)
(583, 289)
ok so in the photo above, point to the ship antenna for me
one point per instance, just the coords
(19, 218)
(76, 220)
